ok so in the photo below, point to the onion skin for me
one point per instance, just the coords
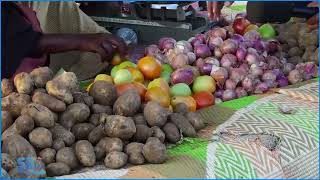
(252, 59)
(237, 75)
(228, 61)
(238, 38)
(261, 88)
(229, 46)
(179, 61)
(283, 81)
(248, 83)
(259, 46)
(230, 84)
(205, 69)
(271, 84)
(218, 53)
(252, 35)
(217, 32)
(241, 54)
(295, 76)
(183, 75)
(212, 60)
(199, 62)
(218, 93)
(241, 92)
(273, 62)
(161, 58)
(200, 37)
(183, 47)
(229, 95)
(166, 43)
(269, 76)
(220, 75)
(244, 67)
(287, 67)
(272, 46)
(214, 42)
(255, 70)
(152, 50)
(202, 51)
(191, 57)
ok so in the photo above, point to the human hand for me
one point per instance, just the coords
(215, 7)
(104, 44)
(313, 22)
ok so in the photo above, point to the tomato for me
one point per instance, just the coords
(203, 99)
(149, 67)
(103, 77)
(116, 59)
(188, 100)
(137, 76)
(123, 76)
(158, 95)
(240, 24)
(122, 88)
(159, 82)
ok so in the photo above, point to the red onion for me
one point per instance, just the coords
(237, 74)
(179, 61)
(202, 51)
(272, 46)
(205, 69)
(244, 67)
(271, 84)
(230, 84)
(252, 51)
(241, 54)
(183, 47)
(214, 42)
(287, 67)
(212, 60)
(217, 53)
(166, 43)
(228, 95)
(238, 38)
(269, 75)
(261, 88)
(259, 46)
(161, 58)
(182, 75)
(283, 81)
(255, 70)
(251, 58)
(136, 53)
(194, 69)
(246, 44)
(228, 60)
(277, 72)
(229, 46)
(241, 92)
(201, 37)
(252, 35)
(273, 62)
(264, 66)
(248, 83)
(218, 93)
(192, 57)
(199, 62)
(217, 32)
(152, 50)
(295, 76)
(220, 75)
(311, 69)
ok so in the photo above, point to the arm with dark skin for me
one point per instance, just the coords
(104, 44)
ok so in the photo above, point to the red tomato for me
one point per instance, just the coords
(149, 67)
(240, 24)
(203, 99)
(157, 94)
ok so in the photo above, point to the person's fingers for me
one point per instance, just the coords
(106, 51)
(313, 20)
(119, 44)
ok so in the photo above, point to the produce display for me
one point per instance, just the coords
(117, 122)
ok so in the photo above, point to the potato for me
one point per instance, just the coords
(158, 133)
(41, 115)
(195, 120)
(48, 155)
(103, 93)
(40, 138)
(94, 119)
(155, 114)
(113, 144)
(295, 51)
(116, 160)
(183, 124)
(41, 76)
(23, 83)
(28, 173)
(22, 126)
(83, 97)
(82, 130)
(134, 151)
(143, 132)
(58, 144)
(49, 101)
(67, 155)
(8, 162)
(97, 109)
(154, 151)
(120, 126)
(172, 133)
(100, 148)
(14, 103)
(17, 146)
(75, 113)
(7, 120)
(96, 134)
(295, 60)
(139, 119)
(57, 169)
(7, 87)
(127, 104)
(63, 86)
(85, 153)
(181, 108)
(59, 132)
(55, 117)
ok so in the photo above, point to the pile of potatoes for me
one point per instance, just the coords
(64, 129)
(298, 43)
